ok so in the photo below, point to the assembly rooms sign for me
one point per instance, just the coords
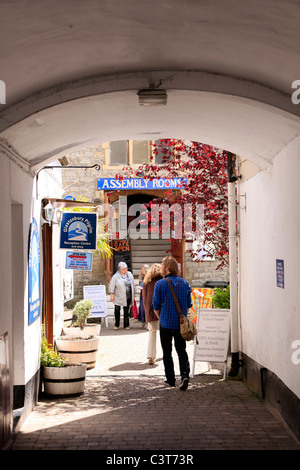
(140, 183)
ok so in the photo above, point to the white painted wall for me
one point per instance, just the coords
(18, 205)
(270, 230)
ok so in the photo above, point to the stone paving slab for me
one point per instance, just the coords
(124, 353)
(126, 406)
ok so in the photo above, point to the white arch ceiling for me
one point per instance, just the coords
(72, 70)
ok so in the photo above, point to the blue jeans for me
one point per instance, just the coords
(166, 336)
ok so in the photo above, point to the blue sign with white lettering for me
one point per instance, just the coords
(34, 274)
(140, 183)
(79, 261)
(78, 231)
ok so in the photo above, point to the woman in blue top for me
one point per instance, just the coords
(165, 309)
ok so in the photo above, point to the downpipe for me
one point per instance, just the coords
(232, 233)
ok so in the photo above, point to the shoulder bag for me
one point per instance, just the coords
(187, 329)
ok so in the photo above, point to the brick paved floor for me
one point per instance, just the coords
(126, 407)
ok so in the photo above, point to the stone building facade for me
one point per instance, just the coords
(82, 183)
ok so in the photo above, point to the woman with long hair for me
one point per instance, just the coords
(153, 275)
(142, 275)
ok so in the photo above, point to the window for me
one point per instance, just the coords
(139, 151)
(118, 153)
(203, 252)
(131, 152)
(160, 158)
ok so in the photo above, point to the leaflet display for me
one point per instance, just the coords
(97, 294)
(212, 343)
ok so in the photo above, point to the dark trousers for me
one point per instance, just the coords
(166, 336)
(126, 314)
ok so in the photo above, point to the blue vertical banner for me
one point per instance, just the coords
(34, 294)
(78, 231)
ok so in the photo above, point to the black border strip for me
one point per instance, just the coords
(78, 352)
(79, 379)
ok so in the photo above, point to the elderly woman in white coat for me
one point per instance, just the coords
(122, 290)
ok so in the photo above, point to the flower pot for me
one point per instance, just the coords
(90, 329)
(64, 381)
(79, 350)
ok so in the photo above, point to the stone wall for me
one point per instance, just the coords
(83, 182)
(197, 273)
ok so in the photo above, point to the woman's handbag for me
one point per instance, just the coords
(187, 329)
(134, 310)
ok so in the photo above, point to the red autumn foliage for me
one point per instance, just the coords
(205, 168)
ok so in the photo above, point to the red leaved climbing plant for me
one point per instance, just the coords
(205, 168)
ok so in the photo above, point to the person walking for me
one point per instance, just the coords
(165, 309)
(142, 275)
(122, 290)
(153, 275)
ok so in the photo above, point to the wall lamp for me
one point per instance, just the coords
(152, 97)
(52, 214)
(49, 212)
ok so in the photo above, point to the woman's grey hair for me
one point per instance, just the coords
(122, 265)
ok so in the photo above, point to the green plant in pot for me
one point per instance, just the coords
(80, 328)
(82, 311)
(49, 357)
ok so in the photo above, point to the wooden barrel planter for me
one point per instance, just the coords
(64, 381)
(90, 329)
(79, 350)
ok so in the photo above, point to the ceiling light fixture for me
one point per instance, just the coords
(151, 97)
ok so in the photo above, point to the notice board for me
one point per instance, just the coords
(280, 273)
(79, 261)
(213, 330)
(97, 294)
(122, 252)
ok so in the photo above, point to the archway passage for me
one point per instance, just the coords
(219, 65)
(72, 74)
(243, 126)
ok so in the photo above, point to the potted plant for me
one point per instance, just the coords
(60, 377)
(80, 341)
(80, 328)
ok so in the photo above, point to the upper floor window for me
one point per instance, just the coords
(139, 151)
(160, 158)
(132, 152)
(118, 153)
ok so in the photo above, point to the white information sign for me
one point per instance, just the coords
(213, 329)
(97, 294)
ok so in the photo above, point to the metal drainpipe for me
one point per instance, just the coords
(233, 265)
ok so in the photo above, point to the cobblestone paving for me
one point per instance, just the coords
(126, 406)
